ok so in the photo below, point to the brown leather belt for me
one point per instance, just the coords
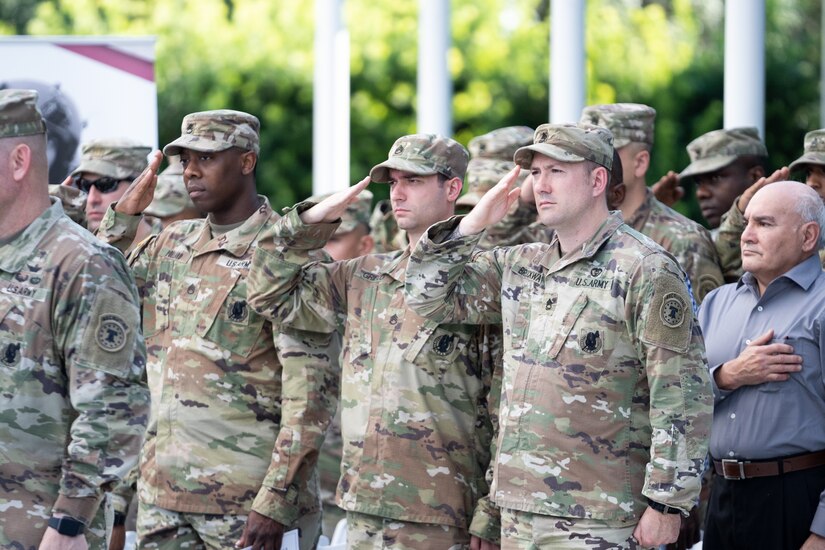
(746, 469)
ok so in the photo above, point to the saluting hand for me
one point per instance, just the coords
(493, 206)
(758, 363)
(139, 194)
(333, 207)
(779, 175)
(667, 190)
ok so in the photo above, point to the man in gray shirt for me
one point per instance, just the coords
(765, 340)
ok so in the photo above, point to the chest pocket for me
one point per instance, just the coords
(588, 340)
(227, 320)
(358, 344)
(519, 291)
(435, 348)
(12, 342)
(157, 299)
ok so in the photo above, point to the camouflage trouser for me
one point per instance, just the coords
(527, 531)
(366, 532)
(162, 529)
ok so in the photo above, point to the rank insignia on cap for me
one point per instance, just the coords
(444, 344)
(672, 311)
(238, 311)
(542, 137)
(111, 333)
(10, 355)
(591, 341)
(398, 150)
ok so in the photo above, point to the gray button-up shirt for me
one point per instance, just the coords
(773, 419)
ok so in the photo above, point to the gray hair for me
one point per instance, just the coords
(810, 208)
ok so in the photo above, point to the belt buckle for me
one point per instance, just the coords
(731, 462)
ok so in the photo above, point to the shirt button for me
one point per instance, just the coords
(191, 290)
(731, 453)
(747, 342)
(760, 308)
(733, 415)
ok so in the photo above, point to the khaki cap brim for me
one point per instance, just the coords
(103, 168)
(706, 165)
(808, 158)
(380, 173)
(524, 156)
(195, 143)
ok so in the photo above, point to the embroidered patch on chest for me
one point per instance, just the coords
(590, 341)
(10, 354)
(672, 311)
(234, 263)
(534, 276)
(238, 311)
(111, 333)
(444, 345)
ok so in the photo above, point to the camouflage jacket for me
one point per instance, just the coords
(606, 397)
(415, 423)
(72, 359)
(239, 410)
(686, 240)
(73, 201)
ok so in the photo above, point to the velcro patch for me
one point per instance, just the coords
(234, 263)
(111, 333)
(668, 317)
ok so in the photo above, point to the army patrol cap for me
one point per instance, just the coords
(482, 175)
(214, 131)
(171, 196)
(118, 158)
(500, 144)
(569, 143)
(357, 212)
(627, 122)
(19, 115)
(814, 150)
(717, 149)
(425, 155)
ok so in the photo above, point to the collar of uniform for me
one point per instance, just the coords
(237, 241)
(639, 218)
(397, 266)
(802, 274)
(589, 247)
(14, 255)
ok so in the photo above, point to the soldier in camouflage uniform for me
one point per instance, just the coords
(72, 357)
(812, 161)
(171, 202)
(606, 401)
(239, 409)
(416, 425)
(632, 127)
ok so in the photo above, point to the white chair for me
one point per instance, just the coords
(339, 538)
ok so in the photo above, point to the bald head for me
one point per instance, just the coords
(784, 229)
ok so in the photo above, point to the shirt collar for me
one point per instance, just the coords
(638, 219)
(14, 255)
(802, 274)
(586, 249)
(237, 241)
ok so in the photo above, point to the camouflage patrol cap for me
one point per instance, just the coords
(715, 150)
(425, 155)
(357, 212)
(501, 143)
(482, 175)
(171, 196)
(213, 131)
(814, 150)
(626, 121)
(113, 157)
(19, 115)
(569, 143)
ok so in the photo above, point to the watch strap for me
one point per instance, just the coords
(67, 525)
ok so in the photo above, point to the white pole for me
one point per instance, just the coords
(745, 64)
(330, 99)
(434, 112)
(566, 60)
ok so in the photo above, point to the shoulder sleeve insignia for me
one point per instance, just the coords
(672, 310)
(111, 332)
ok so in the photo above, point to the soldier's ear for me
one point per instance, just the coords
(641, 162)
(599, 179)
(454, 186)
(20, 160)
(248, 161)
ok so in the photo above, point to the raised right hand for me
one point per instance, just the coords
(779, 175)
(667, 190)
(334, 206)
(139, 194)
(493, 206)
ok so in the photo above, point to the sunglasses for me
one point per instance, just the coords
(104, 184)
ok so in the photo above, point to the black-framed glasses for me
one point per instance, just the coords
(104, 184)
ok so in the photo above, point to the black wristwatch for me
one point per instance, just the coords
(663, 508)
(67, 525)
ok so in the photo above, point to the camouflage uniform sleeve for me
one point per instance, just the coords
(486, 520)
(308, 400)
(697, 256)
(286, 286)
(73, 201)
(512, 229)
(727, 243)
(118, 229)
(448, 283)
(670, 344)
(98, 330)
